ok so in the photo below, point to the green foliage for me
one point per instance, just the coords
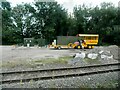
(99, 20)
(48, 20)
(114, 36)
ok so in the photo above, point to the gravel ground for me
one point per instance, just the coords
(107, 80)
(23, 54)
(49, 73)
(32, 53)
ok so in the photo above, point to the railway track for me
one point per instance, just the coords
(59, 73)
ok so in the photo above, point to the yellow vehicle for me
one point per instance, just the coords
(78, 41)
(89, 40)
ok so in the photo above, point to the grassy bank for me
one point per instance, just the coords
(33, 63)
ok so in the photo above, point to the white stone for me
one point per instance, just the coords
(108, 51)
(88, 78)
(110, 57)
(92, 55)
(103, 56)
(81, 55)
(106, 57)
(100, 52)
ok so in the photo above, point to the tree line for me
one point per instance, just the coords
(49, 19)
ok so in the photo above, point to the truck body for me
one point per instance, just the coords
(79, 41)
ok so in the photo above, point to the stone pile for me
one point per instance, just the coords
(101, 53)
(94, 55)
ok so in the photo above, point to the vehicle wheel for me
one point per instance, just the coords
(70, 45)
(79, 47)
(75, 47)
(59, 47)
(90, 47)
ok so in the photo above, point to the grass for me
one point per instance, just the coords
(32, 64)
(14, 64)
(92, 61)
(61, 60)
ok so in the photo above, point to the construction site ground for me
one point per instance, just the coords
(30, 58)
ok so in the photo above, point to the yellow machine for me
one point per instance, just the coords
(78, 41)
(89, 40)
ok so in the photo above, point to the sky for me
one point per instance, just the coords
(69, 4)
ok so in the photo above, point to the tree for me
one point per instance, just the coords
(24, 21)
(81, 15)
(7, 25)
(50, 20)
(98, 20)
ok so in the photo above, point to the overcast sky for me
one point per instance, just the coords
(69, 4)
